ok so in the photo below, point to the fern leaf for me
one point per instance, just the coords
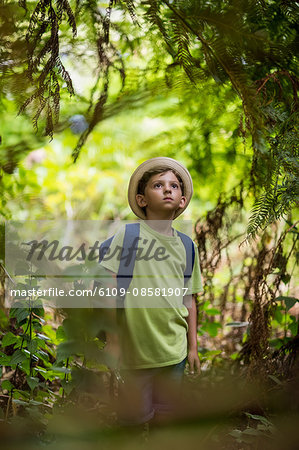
(64, 6)
(131, 8)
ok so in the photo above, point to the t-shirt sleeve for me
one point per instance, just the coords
(195, 283)
(111, 259)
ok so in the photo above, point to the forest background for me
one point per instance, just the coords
(91, 89)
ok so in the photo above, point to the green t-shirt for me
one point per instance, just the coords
(153, 326)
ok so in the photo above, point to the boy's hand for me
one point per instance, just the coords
(112, 348)
(194, 363)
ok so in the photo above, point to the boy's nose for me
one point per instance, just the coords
(167, 188)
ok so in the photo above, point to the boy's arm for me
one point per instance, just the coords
(112, 346)
(193, 359)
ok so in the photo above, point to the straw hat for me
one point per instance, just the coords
(154, 164)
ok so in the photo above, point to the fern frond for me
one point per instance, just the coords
(42, 104)
(280, 196)
(63, 6)
(130, 5)
(65, 75)
(181, 39)
(49, 122)
(38, 16)
(154, 17)
(43, 19)
(56, 97)
(261, 214)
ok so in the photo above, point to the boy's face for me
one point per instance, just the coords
(162, 196)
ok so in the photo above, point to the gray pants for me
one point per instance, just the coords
(146, 392)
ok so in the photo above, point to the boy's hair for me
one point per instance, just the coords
(147, 175)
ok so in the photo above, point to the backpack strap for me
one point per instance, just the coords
(128, 255)
(127, 260)
(104, 247)
(190, 255)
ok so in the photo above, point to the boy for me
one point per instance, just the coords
(158, 333)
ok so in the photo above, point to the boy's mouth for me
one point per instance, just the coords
(168, 198)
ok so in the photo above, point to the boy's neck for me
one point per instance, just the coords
(162, 226)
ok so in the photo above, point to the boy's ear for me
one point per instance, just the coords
(141, 200)
(183, 202)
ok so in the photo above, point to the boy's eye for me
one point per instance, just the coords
(157, 184)
(175, 185)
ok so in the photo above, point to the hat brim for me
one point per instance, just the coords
(153, 164)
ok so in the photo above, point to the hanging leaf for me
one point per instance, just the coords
(289, 301)
(8, 339)
(32, 382)
(18, 357)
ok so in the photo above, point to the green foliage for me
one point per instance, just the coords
(133, 52)
(207, 321)
(264, 431)
(281, 175)
(284, 324)
(42, 40)
(264, 78)
(193, 80)
(43, 365)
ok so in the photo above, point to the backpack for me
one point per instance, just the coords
(125, 271)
